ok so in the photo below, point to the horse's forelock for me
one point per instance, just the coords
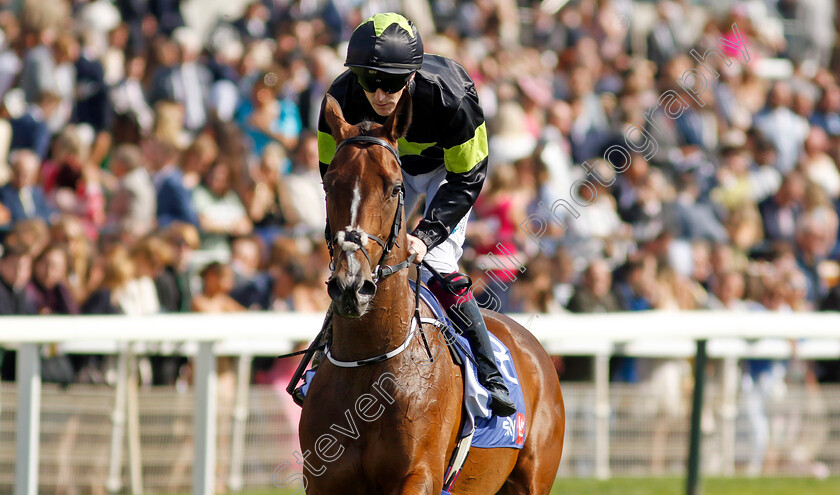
(365, 127)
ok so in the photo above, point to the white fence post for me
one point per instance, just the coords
(729, 413)
(114, 483)
(204, 460)
(28, 418)
(602, 416)
(240, 419)
(135, 459)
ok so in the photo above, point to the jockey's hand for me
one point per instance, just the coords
(415, 245)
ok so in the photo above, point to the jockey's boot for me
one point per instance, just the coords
(475, 330)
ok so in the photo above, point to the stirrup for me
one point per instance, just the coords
(297, 395)
(500, 402)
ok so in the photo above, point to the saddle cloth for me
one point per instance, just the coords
(489, 430)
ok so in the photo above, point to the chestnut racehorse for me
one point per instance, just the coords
(390, 426)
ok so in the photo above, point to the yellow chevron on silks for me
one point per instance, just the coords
(326, 147)
(464, 157)
(409, 148)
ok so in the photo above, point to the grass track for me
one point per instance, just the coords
(673, 486)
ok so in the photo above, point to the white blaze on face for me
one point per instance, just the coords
(354, 207)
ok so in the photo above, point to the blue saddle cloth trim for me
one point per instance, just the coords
(491, 431)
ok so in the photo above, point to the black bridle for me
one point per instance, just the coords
(352, 240)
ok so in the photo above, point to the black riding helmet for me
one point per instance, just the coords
(384, 49)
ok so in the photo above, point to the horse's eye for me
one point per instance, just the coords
(396, 190)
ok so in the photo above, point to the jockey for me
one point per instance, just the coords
(444, 156)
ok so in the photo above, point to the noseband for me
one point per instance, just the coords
(351, 239)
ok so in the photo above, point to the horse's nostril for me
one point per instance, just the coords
(333, 289)
(368, 289)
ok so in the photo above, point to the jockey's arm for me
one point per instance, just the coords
(465, 157)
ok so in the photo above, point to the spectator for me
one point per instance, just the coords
(175, 283)
(66, 54)
(72, 182)
(150, 256)
(92, 104)
(695, 218)
(744, 227)
(174, 200)
(729, 292)
(10, 62)
(220, 211)
(189, 82)
(117, 273)
(68, 232)
(168, 125)
(786, 130)
(15, 273)
(268, 116)
(217, 281)
(133, 115)
(535, 294)
(812, 248)
(245, 258)
(48, 288)
(497, 213)
(23, 197)
(133, 204)
(594, 295)
(254, 22)
(198, 159)
(30, 130)
(302, 187)
(827, 114)
(268, 201)
(38, 73)
(636, 291)
(780, 213)
(818, 166)
(252, 287)
(31, 236)
(167, 15)
(289, 290)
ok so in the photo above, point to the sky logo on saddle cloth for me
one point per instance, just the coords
(493, 431)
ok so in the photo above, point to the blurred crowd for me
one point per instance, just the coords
(148, 168)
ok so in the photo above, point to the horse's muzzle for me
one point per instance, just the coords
(351, 297)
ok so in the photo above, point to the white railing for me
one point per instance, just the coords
(731, 336)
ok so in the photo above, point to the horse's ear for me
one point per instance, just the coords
(397, 124)
(335, 119)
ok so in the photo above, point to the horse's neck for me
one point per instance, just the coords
(383, 328)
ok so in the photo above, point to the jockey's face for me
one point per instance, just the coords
(384, 103)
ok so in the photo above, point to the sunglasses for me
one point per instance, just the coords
(371, 80)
